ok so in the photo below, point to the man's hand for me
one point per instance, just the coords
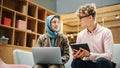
(74, 53)
(80, 53)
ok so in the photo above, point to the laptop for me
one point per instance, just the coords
(47, 55)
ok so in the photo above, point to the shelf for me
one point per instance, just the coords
(40, 27)
(41, 13)
(8, 14)
(31, 33)
(4, 26)
(40, 20)
(20, 17)
(20, 30)
(32, 8)
(22, 6)
(38, 36)
(20, 22)
(9, 4)
(7, 33)
(50, 13)
(31, 24)
(19, 38)
(30, 40)
(14, 4)
(8, 9)
(20, 13)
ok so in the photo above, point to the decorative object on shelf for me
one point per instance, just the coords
(7, 21)
(4, 40)
(21, 24)
(18, 43)
(71, 37)
(117, 16)
(29, 30)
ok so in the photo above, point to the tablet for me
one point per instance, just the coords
(77, 46)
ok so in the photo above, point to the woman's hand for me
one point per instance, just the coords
(80, 53)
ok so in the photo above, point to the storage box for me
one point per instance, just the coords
(7, 21)
(22, 25)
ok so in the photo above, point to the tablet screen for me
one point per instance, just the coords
(77, 46)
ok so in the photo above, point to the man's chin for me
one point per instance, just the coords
(82, 26)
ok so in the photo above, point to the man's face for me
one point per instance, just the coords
(85, 20)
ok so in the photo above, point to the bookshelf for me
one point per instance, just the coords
(30, 14)
(22, 21)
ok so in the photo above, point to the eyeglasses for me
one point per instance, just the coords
(80, 17)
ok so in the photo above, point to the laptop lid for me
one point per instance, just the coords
(47, 55)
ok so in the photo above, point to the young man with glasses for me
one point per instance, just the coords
(98, 38)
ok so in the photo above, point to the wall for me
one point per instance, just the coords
(68, 6)
(49, 4)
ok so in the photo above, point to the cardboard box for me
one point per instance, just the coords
(22, 25)
(7, 21)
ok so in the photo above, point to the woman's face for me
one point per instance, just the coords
(55, 24)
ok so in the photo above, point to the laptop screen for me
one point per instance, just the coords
(47, 55)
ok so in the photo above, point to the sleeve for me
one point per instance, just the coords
(108, 47)
(66, 55)
(39, 41)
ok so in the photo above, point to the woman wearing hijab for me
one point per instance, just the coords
(52, 38)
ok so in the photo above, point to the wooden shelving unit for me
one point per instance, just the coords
(33, 16)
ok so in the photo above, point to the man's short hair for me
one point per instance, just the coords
(87, 9)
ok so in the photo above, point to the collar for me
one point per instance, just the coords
(95, 30)
(58, 39)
